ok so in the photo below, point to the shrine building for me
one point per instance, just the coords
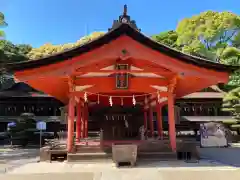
(120, 78)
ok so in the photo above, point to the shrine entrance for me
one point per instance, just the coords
(119, 123)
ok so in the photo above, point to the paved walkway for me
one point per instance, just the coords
(12, 158)
(59, 167)
(21, 166)
(108, 171)
(131, 174)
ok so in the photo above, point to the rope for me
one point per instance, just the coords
(104, 95)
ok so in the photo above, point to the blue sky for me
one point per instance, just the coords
(37, 22)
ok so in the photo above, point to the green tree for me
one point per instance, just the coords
(2, 24)
(49, 49)
(10, 53)
(23, 131)
(231, 102)
(168, 38)
(14, 53)
(209, 33)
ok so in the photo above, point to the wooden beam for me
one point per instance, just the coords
(156, 69)
(94, 67)
(117, 92)
(139, 82)
(157, 72)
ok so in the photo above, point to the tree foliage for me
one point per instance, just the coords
(211, 35)
(13, 53)
(231, 102)
(10, 53)
(168, 38)
(2, 24)
(24, 130)
(49, 49)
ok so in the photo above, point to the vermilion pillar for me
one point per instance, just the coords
(159, 119)
(83, 122)
(86, 120)
(151, 121)
(71, 115)
(171, 122)
(145, 120)
(78, 122)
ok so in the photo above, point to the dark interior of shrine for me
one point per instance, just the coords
(117, 122)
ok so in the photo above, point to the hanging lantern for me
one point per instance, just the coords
(158, 97)
(121, 101)
(134, 100)
(85, 97)
(110, 101)
(98, 101)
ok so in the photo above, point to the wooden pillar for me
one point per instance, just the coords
(86, 120)
(159, 119)
(71, 115)
(171, 122)
(78, 123)
(151, 121)
(145, 120)
(83, 122)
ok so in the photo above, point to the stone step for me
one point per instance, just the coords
(73, 157)
(86, 148)
(102, 156)
(157, 155)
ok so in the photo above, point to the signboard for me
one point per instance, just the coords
(41, 125)
(213, 135)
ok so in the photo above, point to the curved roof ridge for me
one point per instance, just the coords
(121, 29)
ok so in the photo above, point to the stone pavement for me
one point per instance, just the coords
(133, 174)
(50, 176)
(107, 171)
(22, 165)
(11, 158)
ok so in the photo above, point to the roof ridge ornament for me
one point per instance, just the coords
(125, 10)
(124, 19)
